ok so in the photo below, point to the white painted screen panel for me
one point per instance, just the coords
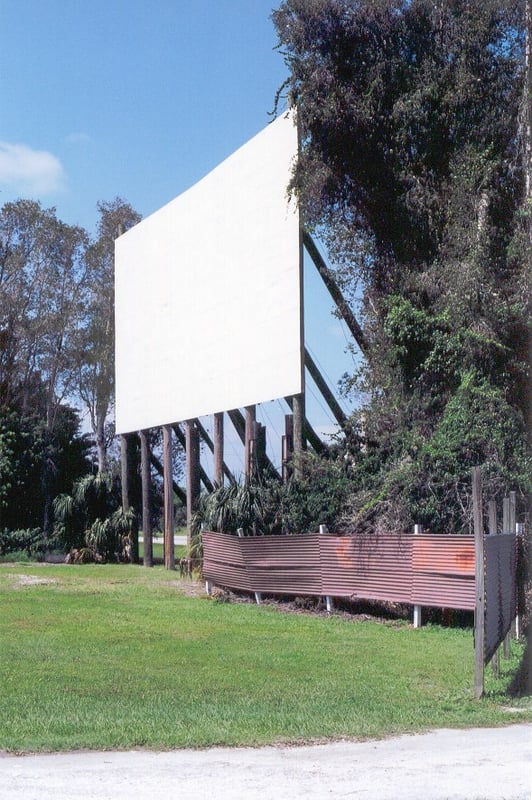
(208, 293)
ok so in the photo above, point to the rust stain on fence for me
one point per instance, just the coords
(447, 555)
(444, 571)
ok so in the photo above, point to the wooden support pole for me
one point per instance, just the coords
(169, 542)
(480, 600)
(218, 450)
(327, 395)
(288, 447)
(178, 491)
(309, 433)
(251, 416)
(506, 513)
(492, 517)
(334, 290)
(181, 438)
(513, 505)
(239, 424)
(146, 499)
(193, 474)
(127, 475)
(258, 448)
(210, 444)
(299, 439)
(124, 472)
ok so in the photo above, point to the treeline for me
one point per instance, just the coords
(56, 355)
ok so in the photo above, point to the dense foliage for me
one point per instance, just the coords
(265, 505)
(413, 170)
(90, 524)
(56, 346)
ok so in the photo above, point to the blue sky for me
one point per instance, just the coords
(139, 99)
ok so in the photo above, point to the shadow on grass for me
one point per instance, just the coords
(521, 684)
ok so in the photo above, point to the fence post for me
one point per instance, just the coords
(479, 583)
(513, 629)
(519, 556)
(506, 529)
(418, 529)
(329, 602)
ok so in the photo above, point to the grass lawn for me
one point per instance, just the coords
(158, 552)
(120, 656)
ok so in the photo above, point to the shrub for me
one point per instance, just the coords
(30, 541)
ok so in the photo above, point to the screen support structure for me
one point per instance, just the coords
(298, 408)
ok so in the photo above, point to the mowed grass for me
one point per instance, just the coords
(120, 656)
(180, 551)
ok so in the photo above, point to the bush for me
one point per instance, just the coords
(92, 518)
(30, 541)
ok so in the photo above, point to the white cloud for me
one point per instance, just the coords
(28, 171)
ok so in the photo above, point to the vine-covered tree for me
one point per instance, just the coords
(413, 170)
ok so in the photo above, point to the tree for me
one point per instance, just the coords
(43, 283)
(409, 113)
(42, 303)
(96, 341)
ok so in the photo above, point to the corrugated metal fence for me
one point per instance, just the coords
(424, 570)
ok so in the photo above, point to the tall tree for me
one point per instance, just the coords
(42, 306)
(96, 345)
(409, 168)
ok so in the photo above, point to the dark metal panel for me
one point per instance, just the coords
(500, 553)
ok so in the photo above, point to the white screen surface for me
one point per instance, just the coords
(208, 293)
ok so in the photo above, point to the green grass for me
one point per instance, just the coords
(158, 551)
(120, 656)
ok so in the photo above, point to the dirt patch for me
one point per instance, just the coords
(32, 580)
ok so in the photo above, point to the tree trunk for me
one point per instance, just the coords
(100, 443)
